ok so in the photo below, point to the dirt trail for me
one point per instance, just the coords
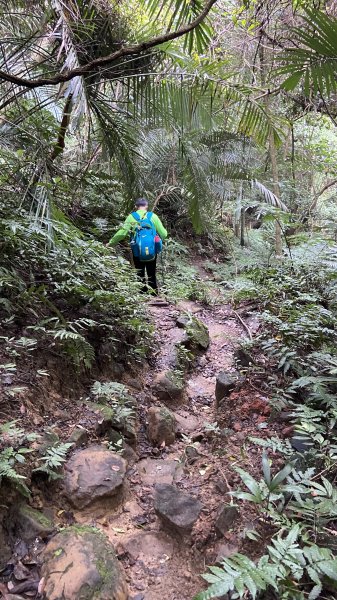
(159, 565)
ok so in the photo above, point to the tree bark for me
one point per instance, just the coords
(277, 192)
(60, 144)
(272, 153)
(242, 227)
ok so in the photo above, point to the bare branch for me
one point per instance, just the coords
(321, 191)
(105, 60)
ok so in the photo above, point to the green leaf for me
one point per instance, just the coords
(249, 482)
(292, 81)
(281, 476)
(266, 469)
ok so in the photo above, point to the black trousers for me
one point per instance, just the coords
(150, 269)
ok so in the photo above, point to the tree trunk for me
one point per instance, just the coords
(60, 144)
(272, 151)
(243, 224)
(277, 192)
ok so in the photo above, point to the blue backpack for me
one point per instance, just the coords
(145, 243)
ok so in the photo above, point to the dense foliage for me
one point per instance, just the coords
(229, 128)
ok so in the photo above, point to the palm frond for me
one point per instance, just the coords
(175, 13)
(250, 117)
(268, 196)
(313, 63)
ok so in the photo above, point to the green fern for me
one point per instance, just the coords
(288, 568)
(54, 458)
(8, 458)
(76, 347)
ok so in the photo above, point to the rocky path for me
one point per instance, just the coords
(160, 522)
(142, 524)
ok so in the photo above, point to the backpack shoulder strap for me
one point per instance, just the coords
(149, 215)
(136, 216)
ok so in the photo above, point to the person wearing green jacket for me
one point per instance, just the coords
(141, 207)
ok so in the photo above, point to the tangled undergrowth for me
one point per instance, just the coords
(295, 364)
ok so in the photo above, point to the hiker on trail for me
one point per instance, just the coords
(146, 234)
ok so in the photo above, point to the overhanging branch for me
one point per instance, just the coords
(106, 60)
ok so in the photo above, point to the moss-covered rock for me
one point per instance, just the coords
(80, 564)
(30, 523)
(168, 386)
(197, 336)
(108, 419)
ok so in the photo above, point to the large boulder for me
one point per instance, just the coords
(30, 523)
(177, 510)
(168, 386)
(162, 425)
(94, 474)
(80, 564)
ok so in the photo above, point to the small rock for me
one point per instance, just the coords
(237, 426)
(94, 474)
(288, 431)
(30, 523)
(168, 386)
(284, 416)
(202, 362)
(80, 564)
(139, 585)
(134, 383)
(226, 516)
(177, 510)
(162, 426)
(149, 544)
(225, 551)
(154, 471)
(183, 321)
(243, 358)
(79, 437)
(21, 572)
(129, 455)
(225, 384)
(186, 422)
(5, 550)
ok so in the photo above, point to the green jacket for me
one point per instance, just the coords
(130, 224)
